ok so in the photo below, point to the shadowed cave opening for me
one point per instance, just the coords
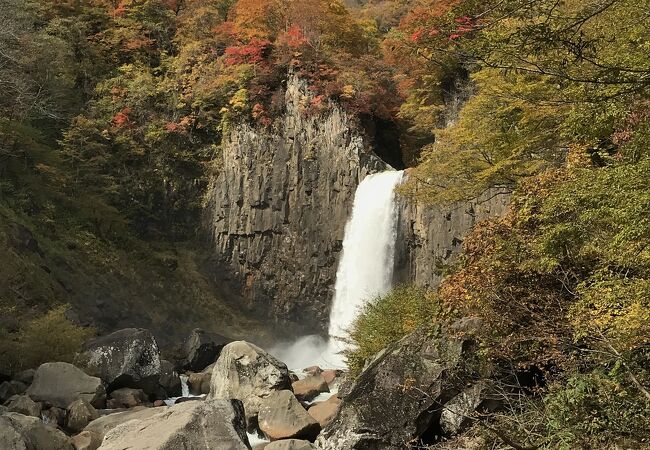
(384, 136)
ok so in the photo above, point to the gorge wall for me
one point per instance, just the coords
(278, 207)
(430, 237)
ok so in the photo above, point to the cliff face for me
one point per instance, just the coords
(278, 209)
(431, 237)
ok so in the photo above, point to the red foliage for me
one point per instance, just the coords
(121, 8)
(294, 37)
(251, 53)
(138, 44)
(417, 35)
(172, 127)
(121, 119)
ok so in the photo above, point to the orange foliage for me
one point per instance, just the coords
(121, 119)
(251, 53)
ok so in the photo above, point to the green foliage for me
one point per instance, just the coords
(594, 410)
(386, 320)
(50, 337)
(501, 136)
(549, 75)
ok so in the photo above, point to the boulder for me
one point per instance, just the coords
(127, 398)
(80, 414)
(309, 388)
(402, 392)
(281, 416)
(104, 424)
(10, 438)
(20, 432)
(54, 416)
(10, 388)
(247, 373)
(61, 383)
(125, 358)
(312, 370)
(201, 349)
(22, 404)
(199, 383)
(26, 376)
(458, 410)
(324, 412)
(290, 444)
(169, 380)
(86, 440)
(210, 425)
(331, 376)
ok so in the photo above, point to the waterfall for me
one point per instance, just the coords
(365, 271)
(366, 266)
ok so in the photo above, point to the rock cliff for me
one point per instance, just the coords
(430, 237)
(278, 206)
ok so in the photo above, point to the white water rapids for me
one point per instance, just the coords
(365, 270)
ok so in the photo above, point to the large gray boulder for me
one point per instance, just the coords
(169, 380)
(458, 410)
(19, 432)
(61, 383)
(22, 404)
(80, 414)
(10, 388)
(125, 358)
(209, 425)
(200, 349)
(282, 416)
(400, 396)
(247, 373)
(99, 427)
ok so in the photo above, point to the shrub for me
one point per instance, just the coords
(594, 410)
(386, 320)
(50, 337)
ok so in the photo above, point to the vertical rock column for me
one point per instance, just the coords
(278, 207)
(431, 237)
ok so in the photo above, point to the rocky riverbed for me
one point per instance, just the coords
(120, 394)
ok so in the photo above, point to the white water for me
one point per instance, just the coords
(365, 271)
(366, 266)
(185, 392)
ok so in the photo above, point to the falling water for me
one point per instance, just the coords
(365, 271)
(366, 266)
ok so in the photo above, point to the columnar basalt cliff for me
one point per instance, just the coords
(278, 208)
(430, 237)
